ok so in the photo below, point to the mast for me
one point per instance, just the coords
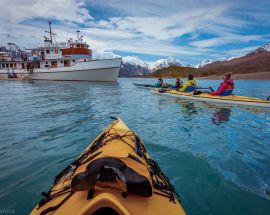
(50, 31)
(78, 35)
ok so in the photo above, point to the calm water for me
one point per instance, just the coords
(217, 157)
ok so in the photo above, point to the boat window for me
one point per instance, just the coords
(66, 63)
(7, 65)
(73, 60)
(23, 66)
(61, 61)
(3, 65)
(47, 51)
(56, 51)
(54, 64)
(46, 62)
(37, 65)
(15, 66)
(11, 65)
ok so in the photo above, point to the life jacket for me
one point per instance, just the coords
(229, 88)
(158, 83)
(230, 84)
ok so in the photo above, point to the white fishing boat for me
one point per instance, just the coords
(66, 61)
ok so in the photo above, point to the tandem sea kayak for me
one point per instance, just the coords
(151, 86)
(231, 99)
(113, 175)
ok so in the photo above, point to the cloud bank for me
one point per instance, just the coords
(189, 30)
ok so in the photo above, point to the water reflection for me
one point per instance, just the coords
(219, 115)
(188, 108)
(222, 115)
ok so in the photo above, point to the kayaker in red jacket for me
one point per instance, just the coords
(226, 87)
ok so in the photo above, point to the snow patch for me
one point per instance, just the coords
(266, 47)
(134, 60)
(203, 63)
(163, 63)
(262, 49)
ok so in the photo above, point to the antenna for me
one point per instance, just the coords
(50, 31)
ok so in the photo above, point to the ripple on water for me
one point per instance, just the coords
(215, 155)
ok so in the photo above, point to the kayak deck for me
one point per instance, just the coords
(151, 86)
(103, 198)
(231, 99)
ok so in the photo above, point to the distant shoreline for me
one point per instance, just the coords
(244, 76)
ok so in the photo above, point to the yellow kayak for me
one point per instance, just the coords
(114, 175)
(231, 99)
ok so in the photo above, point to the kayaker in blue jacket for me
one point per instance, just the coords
(159, 83)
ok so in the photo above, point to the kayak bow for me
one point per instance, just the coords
(114, 175)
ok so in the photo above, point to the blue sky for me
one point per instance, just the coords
(190, 31)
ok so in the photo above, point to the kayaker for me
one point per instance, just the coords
(225, 88)
(14, 74)
(178, 83)
(159, 83)
(9, 74)
(190, 84)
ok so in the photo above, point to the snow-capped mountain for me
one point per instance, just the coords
(133, 66)
(262, 49)
(255, 61)
(203, 63)
(258, 60)
(163, 63)
(134, 60)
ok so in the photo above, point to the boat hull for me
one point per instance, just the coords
(230, 100)
(106, 75)
(106, 70)
(99, 70)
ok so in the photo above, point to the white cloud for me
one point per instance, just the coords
(139, 27)
(227, 39)
(15, 11)
(170, 26)
(101, 54)
(241, 52)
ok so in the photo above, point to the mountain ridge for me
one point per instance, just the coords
(134, 66)
(253, 62)
(250, 64)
